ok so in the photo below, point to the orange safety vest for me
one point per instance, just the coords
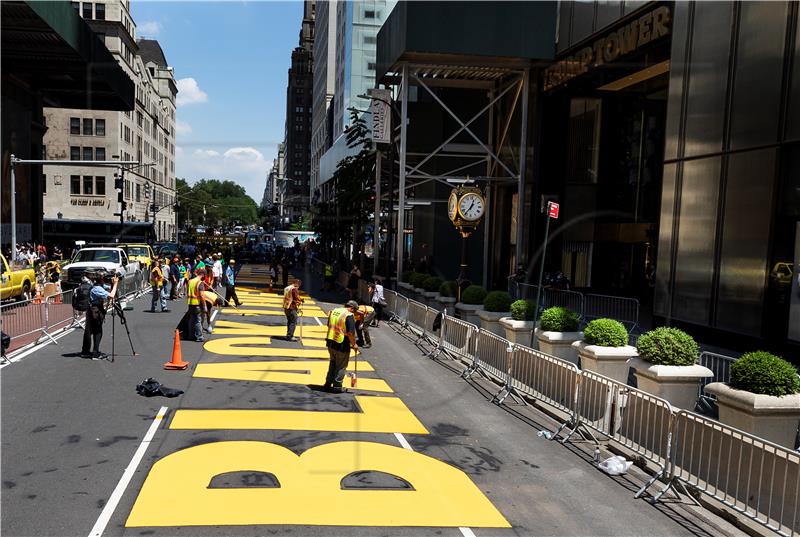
(193, 296)
(337, 324)
(363, 312)
(287, 297)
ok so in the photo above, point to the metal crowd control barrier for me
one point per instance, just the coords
(545, 378)
(415, 319)
(721, 366)
(491, 356)
(526, 291)
(560, 297)
(400, 313)
(757, 478)
(624, 310)
(457, 338)
(433, 337)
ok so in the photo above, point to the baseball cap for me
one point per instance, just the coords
(351, 304)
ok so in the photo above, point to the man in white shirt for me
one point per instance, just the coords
(217, 270)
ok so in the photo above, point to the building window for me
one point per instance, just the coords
(369, 14)
(75, 185)
(88, 184)
(87, 153)
(100, 153)
(87, 127)
(369, 40)
(100, 12)
(100, 186)
(370, 66)
(100, 127)
(87, 10)
(76, 6)
(74, 125)
(138, 192)
(101, 36)
(74, 153)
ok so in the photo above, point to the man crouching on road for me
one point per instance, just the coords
(291, 303)
(340, 339)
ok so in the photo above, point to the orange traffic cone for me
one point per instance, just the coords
(38, 298)
(270, 286)
(57, 298)
(177, 361)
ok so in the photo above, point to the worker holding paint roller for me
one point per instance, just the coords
(340, 339)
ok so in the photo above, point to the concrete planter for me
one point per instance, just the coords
(469, 312)
(519, 332)
(490, 320)
(612, 362)
(447, 302)
(559, 344)
(430, 299)
(770, 417)
(678, 384)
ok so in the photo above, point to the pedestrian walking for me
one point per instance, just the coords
(341, 337)
(230, 284)
(329, 280)
(352, 281)
(291, 305)
(217, 270)
(157, 284)
(364, 316)
(378, 301)
(197, 306)
(96, 315)
(174, 277)
(183, 272)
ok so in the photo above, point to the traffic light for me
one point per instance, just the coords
(120, 197)
(118, 182)
(147, 190)
(124, 206)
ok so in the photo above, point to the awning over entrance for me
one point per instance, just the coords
(47, 46)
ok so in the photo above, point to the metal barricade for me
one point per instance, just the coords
(391, 301)
(61, 315)
(415, 319)
(457, 338)
(400, 312)
(513, 288)
(562, 298)
(23, 322)
(433, 337)
(721, 366)
(753, 476)
(492, 357)
(526, 291)
(622, 309)
(545, 378)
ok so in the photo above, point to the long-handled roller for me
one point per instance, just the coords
(227, 302)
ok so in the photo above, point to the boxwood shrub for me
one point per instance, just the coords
(523, 310)
(406, 276)
(497, 301)
(449, 288)
(558, 319)
(605, 333)
(432, 284)
(417, 279)
(667, 346)
(764, 373)
(474, 294)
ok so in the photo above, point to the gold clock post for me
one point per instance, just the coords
(465, 207)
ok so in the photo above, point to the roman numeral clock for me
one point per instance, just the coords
(465, 208)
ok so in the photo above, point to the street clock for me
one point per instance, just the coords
(466, 207)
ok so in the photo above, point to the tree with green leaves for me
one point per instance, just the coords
(213, 202)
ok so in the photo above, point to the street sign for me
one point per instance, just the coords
(552, 209)
(381, 115)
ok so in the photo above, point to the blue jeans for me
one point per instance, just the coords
(195, 323)
(158, 297)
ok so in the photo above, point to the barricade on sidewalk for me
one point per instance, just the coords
(757, 478)
(415, 319)
(622, 309)
(433, 337)
(561, 297)
(720, 365)
(491, 356)
(457, 338)
(546, 378)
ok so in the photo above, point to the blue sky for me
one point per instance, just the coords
(231, 60)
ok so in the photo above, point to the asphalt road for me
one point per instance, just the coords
(413, 450)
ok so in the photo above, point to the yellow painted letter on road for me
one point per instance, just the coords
(259, 346)
(310, 490)
(376, 415)
(298, 372)
(233, 328)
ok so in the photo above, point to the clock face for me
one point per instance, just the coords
(471, 206)
(452, 206)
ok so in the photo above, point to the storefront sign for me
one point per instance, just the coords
(88, 202)
(381, 115)
(552, 209)
(613, 45)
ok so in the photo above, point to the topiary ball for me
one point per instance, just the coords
(448, 289)
(474, 294)
(406, 277)
(764, 373)
(497, 301)
(667, 346)
(523, 310)
(432, 284)
(605, 333)
(417, 279)
(558, 319)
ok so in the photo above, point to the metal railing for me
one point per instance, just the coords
(622, 309)
(752, 476)
(720, 365)
(560, 297)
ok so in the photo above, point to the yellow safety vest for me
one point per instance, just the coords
(156, 277)
(193, 296)
(287, 297)
(328, 270)
(364, 311)
(337, 324)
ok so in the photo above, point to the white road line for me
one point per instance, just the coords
(116, 496)
(466, 532)
(35, 348)
(214, 315)
(318, 321)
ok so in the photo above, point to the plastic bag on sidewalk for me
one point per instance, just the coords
(615, 465)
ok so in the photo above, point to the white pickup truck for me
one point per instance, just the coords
(113, 260)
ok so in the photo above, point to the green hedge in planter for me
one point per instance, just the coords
(416, 279)
(605, 333)
(497, 301)
(449, 289)
(667, 346)
(764, 373)
(523, 310)
(474, 294)
(406, 276)
(432, 284)
(558, 319)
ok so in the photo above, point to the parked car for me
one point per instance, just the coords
(112, 260)
(17, 282)
(141, 252)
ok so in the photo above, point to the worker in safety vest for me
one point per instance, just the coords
(197, 306)
(340, 339)
(157, 283)
(291, 306)
(328, 272)
(364, 316)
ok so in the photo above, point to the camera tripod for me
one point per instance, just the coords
(116, 309)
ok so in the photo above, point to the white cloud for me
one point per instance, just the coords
(182, 127)
(148, 28)
(245, 166)
(189, 92)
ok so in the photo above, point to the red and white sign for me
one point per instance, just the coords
(552, 209)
